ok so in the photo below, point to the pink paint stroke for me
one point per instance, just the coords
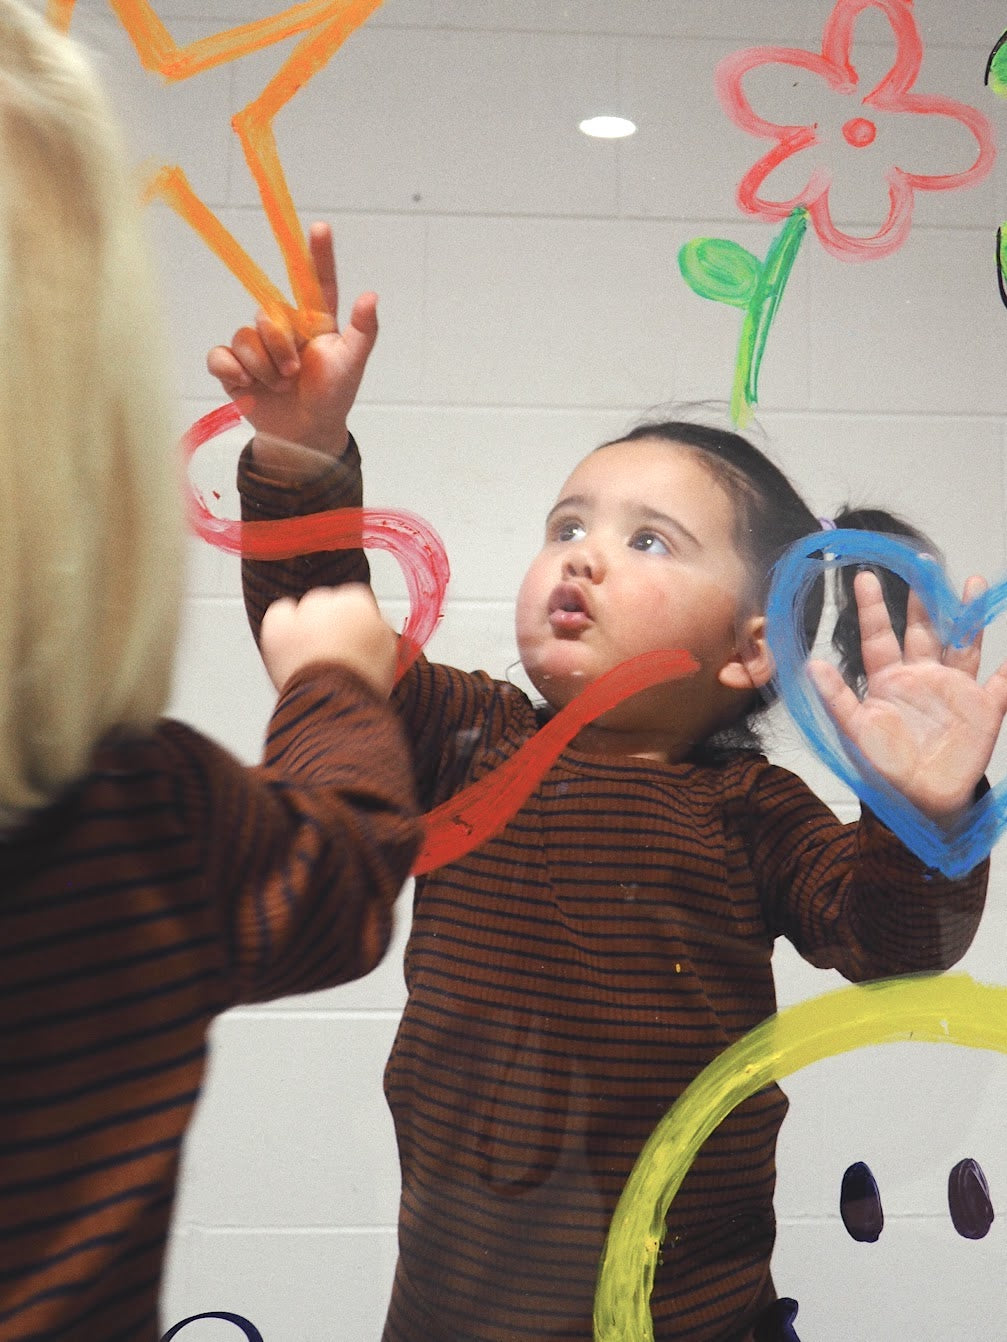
(415, 545)
(475, 815)
(891, 95)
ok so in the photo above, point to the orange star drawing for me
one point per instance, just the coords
(328, 24)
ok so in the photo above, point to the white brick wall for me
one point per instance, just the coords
(531, 306)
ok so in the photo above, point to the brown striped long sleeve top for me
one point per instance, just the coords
(170, 884)
(570, 977)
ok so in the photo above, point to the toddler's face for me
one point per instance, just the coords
(639, 555)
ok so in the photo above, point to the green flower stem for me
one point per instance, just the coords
(760, 313)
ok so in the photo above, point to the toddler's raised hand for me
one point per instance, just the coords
(329, 624)
(925, 723)
(300, 392)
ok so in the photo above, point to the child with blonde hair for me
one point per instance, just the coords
(570, 976)
(149, 881)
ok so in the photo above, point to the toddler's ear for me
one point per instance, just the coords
(751, 667)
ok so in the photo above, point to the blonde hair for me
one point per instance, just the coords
(91, 538)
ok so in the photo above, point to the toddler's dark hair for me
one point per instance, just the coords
(769, 516)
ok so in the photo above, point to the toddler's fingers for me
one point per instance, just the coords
(921, 642)
(878, 645)
(362, 329)
(249, 348)
(968, 658)
(996, 688)
(221, 364)
(974, 587)
(279, 343)
(323, 258)
(838, 698)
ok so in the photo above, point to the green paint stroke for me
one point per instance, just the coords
(930, 1008)
(996, 68)
(726, 272)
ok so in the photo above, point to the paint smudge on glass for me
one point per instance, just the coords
(415, 545)
(776, 1324)
(953, 849)
(860, 1204)
(467, 820)
(725, 272)
(969, 1200)
(931, 1009)
(327, 24)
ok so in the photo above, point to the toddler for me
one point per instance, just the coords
(148, 880)
(568, 978)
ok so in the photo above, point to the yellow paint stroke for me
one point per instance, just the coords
(334, 21)
(932, 1009)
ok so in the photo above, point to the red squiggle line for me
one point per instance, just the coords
(475, 815)
(413, 542)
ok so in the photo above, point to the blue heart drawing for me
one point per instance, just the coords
(953, 851)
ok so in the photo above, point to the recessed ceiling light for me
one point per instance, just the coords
(608, 127)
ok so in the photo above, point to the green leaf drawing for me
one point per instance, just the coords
(721, 270)
(996, 69)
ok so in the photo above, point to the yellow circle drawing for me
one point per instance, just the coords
(930, 1009)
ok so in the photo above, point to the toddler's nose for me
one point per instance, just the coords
(582, 562)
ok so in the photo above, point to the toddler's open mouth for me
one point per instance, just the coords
(568, 609)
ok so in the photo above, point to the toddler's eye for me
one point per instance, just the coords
(650, 543)
(569, 531)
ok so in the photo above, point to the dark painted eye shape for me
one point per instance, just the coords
(860, 1204)
(968, 1201)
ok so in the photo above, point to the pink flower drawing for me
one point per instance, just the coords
(873, 119)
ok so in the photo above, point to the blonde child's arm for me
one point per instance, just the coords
(925, 723)
(340, 625)
(298, 395)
